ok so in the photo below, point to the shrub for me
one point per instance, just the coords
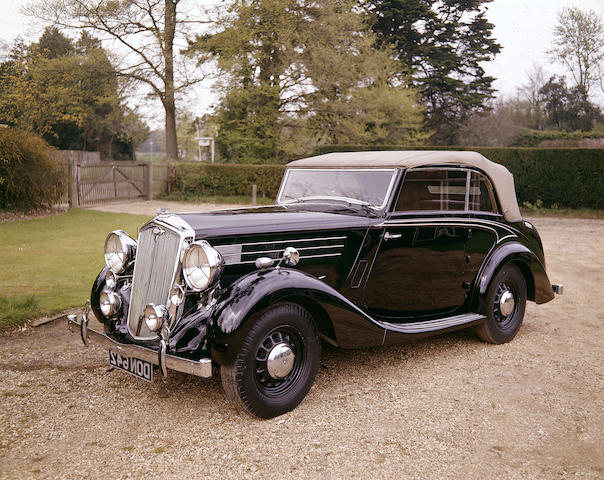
(30, 177)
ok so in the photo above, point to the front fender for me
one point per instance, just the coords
(539, 288)
(234, 312)
(95, 293)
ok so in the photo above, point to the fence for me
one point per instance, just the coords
(102, 182)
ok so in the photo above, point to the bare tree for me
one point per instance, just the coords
(147, 32)
(536, 78)
(579, 45)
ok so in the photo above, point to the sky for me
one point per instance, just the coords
(524, 28)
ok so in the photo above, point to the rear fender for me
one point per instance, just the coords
(237, 307)
(539, 288)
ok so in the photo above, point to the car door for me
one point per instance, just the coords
(482, 234)
(418, 267)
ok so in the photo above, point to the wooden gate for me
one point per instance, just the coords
(94, 183)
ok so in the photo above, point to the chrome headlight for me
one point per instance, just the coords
(201, 265)
(119, 250)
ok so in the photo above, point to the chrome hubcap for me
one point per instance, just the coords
(506, 303)
(280, 361)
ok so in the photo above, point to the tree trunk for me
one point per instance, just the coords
(171, 141)
(168, 100)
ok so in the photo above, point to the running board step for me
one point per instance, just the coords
(433, 325)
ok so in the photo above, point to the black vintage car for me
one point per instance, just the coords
(361, 249)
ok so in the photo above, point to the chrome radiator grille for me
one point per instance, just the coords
(157, 257)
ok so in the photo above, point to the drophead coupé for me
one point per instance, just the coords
(361, 249)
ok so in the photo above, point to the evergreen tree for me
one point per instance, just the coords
(297, 73)
(441, 44)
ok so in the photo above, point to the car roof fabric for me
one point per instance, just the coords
(502, 179)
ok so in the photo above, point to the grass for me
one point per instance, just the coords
(226, 199)
(562, 212)
(16, 310)
(50, 263)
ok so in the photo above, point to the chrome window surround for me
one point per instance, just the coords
(186, 234)
(469, 172)
(374, 207)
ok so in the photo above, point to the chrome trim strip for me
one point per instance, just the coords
(433, 325)
(201, 368)
(268, 242)
(301, 258)
(413, 222)
(321, 247)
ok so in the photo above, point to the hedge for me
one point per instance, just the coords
(30, 177)
(225, 179)
(558, 177)
(533, 138)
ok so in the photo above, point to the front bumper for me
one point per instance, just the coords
(201, 368)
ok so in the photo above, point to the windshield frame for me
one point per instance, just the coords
(392, 170)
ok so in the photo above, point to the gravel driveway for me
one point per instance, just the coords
(445, 407)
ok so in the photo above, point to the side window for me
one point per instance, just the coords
(482, 198)
(433, 190)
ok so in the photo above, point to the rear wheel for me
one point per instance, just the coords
(277, 363)
(504, 306)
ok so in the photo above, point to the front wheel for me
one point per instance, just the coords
(504, 306)
(277, 363)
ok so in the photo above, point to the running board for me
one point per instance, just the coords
(433, 325)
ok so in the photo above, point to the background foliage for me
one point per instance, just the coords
(197, 179)
(300, 73)
(29, 176)
(67, 92)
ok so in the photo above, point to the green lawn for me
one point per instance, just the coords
(54, 259)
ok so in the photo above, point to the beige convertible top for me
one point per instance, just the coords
(502, 179)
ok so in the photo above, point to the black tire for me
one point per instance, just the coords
(248, 383)
(499, 327)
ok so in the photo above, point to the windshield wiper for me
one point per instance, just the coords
(348, 201)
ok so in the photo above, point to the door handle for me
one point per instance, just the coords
(392, 236)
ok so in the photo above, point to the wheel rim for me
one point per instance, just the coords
(505, 304)
(273, 376)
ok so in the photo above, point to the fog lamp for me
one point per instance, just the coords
(154, 316)
(110, 280)
(177, 295)
(110, 303)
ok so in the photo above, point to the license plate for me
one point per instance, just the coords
(135, 366)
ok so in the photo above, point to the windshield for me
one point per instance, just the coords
(367, 187)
